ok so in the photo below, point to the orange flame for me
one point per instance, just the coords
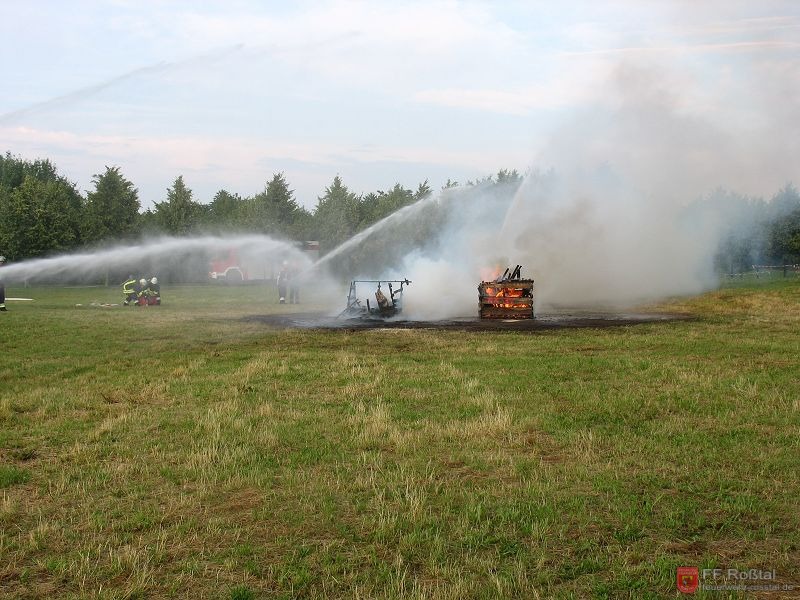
(491, 273)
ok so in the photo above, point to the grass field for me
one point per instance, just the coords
(183, 452)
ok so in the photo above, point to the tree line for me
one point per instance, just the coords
(753, 231)
(43, 213)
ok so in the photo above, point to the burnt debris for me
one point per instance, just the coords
(507, 297)
(382, 307)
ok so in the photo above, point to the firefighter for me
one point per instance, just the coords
(294, 291)
(2, 287)
(129, 290)
(154, 291)
(141, 292)
(283, 282)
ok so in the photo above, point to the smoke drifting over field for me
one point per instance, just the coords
(606, 222)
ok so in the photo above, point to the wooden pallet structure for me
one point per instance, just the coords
(507, 297)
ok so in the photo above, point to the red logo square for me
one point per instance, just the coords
(688, 579)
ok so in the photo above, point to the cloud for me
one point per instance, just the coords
(763, 45)
(83, 93)
(199, 152)
(562, 88)
(389, 44)
(500, 101)
(239, 164)
(750, 26)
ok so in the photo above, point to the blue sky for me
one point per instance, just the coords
(227, 93)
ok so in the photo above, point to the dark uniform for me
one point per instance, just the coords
(294, 291)
(141, 292)
(283, 283)
(153, 292)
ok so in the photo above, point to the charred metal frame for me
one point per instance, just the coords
(384, 307)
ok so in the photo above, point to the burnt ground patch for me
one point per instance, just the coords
(542, 322)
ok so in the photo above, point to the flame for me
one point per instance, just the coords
(504, 297)
(504, 292)
(511, 292)
(512, 297)
(491, 273)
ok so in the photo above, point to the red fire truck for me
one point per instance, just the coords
(230, 267)
(227, 267)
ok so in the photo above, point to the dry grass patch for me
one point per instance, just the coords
(416, 464)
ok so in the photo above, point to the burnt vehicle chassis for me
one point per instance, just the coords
(385, 306)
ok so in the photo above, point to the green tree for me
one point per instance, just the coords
(337, 215)
(376, 206)
(226, 210)
(482, 181)
(112, 209)
(423, 190)
(149, 222)
(506, 177)
(40, 210)
(303, 226)
(274, 210)
(784, 202)
(13, 171)
(784, 234)
(179, 214)
(38, 218)
(784, 238)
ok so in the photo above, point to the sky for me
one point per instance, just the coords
(229, 93)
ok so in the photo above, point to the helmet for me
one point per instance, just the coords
(154, 281)
(143, 281)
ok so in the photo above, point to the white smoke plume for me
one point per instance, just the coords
(606, 222)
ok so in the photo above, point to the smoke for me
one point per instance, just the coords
(593, 239)
(610, 223)
(604, 219)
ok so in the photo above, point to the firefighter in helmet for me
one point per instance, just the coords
(153, 291)
(141, 292)
(129, 290)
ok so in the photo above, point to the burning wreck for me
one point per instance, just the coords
(507, 297)
(384, 306)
